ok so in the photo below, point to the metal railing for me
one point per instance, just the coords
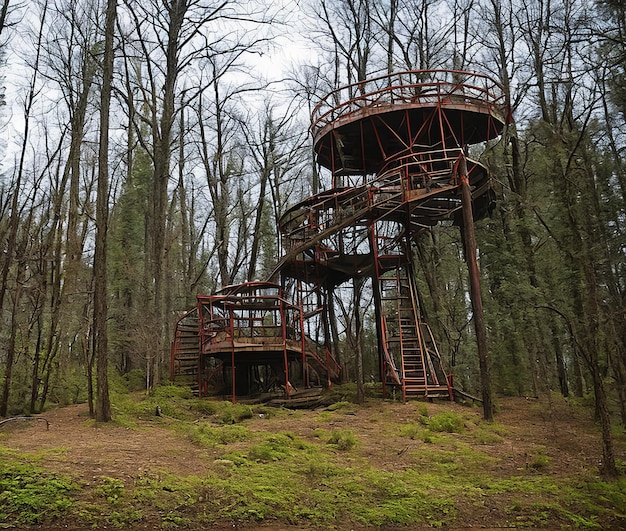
(415, 86)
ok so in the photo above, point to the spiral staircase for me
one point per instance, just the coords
(397, 148)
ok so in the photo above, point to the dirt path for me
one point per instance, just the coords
(73, 444)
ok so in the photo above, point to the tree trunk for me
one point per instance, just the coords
(560, 362)
(360, 388)
(103, 404)
(621, 389)
(35, 380)
(475, 295)
(10, 360)
(332, 318)
(608, 467)
(88, 360)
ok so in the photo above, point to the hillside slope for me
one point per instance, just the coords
(383, 465)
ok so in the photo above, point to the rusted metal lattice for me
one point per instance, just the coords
(397, 149)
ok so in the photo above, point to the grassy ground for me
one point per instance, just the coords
(205, 463)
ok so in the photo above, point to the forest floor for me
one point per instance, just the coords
(382, 465)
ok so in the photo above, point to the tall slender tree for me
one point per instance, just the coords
(14, 218)
(101, 347)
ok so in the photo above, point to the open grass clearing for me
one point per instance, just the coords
(384, 464)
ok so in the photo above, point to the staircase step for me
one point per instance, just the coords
(188, 347)
(432, 391)
(186, 353)
(186, 372)
(415, 388)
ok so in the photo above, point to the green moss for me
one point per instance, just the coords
(487, 437)
(341, 393)
(211, 436)
(28, 495)
(165, 392)
(448, 422)
(490, 433)
(412, 431)
(276, 447)
(112, 489)
(320, 433)
(125, 517)
(539, 460)
(253, 471)
(233, 413)
(317, 469)
(344, 406)
(342, 439)
(325, 416)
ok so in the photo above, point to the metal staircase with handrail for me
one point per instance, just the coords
(396, 147)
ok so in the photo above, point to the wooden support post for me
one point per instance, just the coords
(475, 295)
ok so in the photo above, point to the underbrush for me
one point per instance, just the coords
(422, 466)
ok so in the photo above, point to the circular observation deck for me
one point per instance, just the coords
(360, 128)
(404, 135)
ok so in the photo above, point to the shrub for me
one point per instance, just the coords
(422, 410)
(412, 431)
(342, 439)
(540, 460)
(446, 422)
(135, 380)
(234, 413)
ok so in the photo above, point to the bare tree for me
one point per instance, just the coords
(171, 40)
(73, 66)
(14, 219)
(347, 30)
(416, 34)
(103, 404)
(222, 159)
(276, 152)
(6, 9)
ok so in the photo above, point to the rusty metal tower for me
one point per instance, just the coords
(397, 149)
